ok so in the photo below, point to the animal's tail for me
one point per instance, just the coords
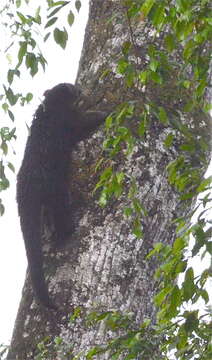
(30, 217)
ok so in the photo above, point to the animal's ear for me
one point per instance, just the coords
(46, 93)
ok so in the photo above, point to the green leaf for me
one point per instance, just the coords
(189, 106)
(11, 73)
(12, 98)
(4, 147)
(153, 64)
(42, 61)
(162, 115)
(207, 107)
(139, 209)
(188, 285)
(146, 7)
(33, 43)
(4, 183)
(78, 5)
(5, 133)
(106, 174)
(51, 22)
(46, 36)
(109, 122)
(18, 3)
(187, 84)
(204, 184)
(157, 248)
(2, 208)
(122, 66)
(130, 76)
(161, 296)
(128, 211)
(204, 295)
(22, 51)
(61, 37)
(71, 18)
(12, 133)
(143, 124)
(157, 15)
(32, 63)
(29, 97)
(168, 266)
(22, 17)
(62, 3)
(188, 147)
(91, 354)
(175, 301)
(120, 177)
(11, 115)
(169, 140)
(170, 42)
(10, 76)
(105, 73)
(76, 314)
(126, 47)
(156, 77)
(199, 236)
(137, 228)
(37, 15)
(103, 199)
(58, 341)
(179, 244)
(181, 267)
(192, 321)
(11, 167)
(143, 75)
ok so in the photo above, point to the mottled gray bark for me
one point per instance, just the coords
(104, 266)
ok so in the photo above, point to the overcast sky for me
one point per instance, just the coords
(62, 67)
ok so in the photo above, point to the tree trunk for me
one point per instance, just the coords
(104, 266)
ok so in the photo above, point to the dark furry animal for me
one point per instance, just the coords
(43, 179)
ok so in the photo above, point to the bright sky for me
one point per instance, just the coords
(62, 67)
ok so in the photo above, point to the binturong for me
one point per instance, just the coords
(43, 179)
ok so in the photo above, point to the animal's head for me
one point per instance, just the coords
(63, 93)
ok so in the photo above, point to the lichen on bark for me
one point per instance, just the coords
(104, 266)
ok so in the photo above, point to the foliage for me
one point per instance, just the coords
(48, 349)
(186, 28)
(128, 340)
(25, 43)
(189, 32)
(185, 330)
(134, 341)
(181, 331)
(3, 351)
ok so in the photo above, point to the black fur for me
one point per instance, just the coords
(43, 179)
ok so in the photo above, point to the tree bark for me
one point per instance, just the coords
(104, 267)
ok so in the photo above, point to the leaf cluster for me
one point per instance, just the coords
(186, 28)
(26, 35)
(185, 332)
